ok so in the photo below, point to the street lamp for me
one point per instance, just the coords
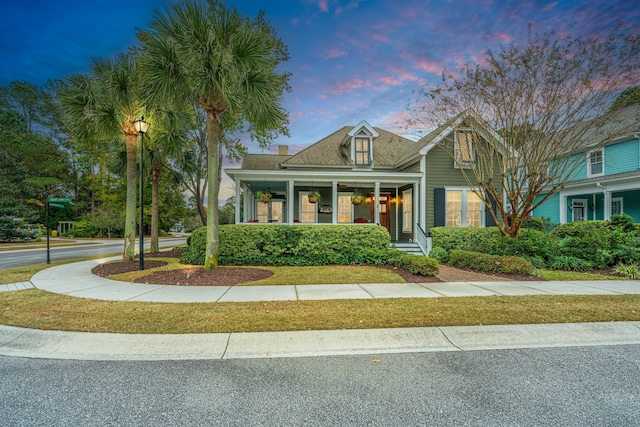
(141, 128)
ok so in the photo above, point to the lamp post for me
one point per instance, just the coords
(141, 128)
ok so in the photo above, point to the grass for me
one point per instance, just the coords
(23, 274)
(42, 310)
(340, 274)
(561, 275)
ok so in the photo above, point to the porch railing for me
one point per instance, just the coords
(423, 240)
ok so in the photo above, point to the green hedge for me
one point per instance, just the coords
(255, 244)
(489, 240)
(490, 263)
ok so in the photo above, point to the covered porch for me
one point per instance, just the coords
(389, 199)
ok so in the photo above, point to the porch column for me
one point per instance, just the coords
(237, 219)
(249, 207)
(421, 199)
(563, 209)
(334, 202)
(418, 215)
(607, 204)
(376, 201)
(291, 201)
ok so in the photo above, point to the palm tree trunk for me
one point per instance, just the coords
(130, 209)
(155, 194)
(213, 153)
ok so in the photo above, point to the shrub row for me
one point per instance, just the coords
(297, 245)
(490, 263)
(599, 244)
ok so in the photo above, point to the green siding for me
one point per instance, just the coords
(622, 157)
(550, 208)
(441, 172)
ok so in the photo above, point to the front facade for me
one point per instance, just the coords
(408, 187)
(607, 181)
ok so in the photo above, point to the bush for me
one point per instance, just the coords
(243, 244)
(489, 240)
(15, 229)
(82, 228)
(416, 264)
(569, 263)
(490, 263)
(622, 222)
(439, 254)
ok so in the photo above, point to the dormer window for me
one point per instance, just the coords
(362, 151)
(464, 148)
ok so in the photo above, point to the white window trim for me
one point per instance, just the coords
(463, 218)
(301, 196)
(404, 211)
(617, 199)
(362, 135)
(463, 165)
(584, 203)
(589, 174)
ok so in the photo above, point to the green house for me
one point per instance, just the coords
(407, 186)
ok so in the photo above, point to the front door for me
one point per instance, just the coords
(384, 202)
(578, 210)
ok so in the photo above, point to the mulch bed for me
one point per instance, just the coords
(109, 269)
(221, 276)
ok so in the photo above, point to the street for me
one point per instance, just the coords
(18, 258)
(569, 386)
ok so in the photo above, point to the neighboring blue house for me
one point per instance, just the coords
(607, 183)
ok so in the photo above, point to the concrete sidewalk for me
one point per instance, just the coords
(77, 280)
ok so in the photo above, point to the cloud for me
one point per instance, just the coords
(322, 4)
(549, 7)
(348, 85)
(335, 52)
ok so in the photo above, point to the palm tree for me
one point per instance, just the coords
(204, 51)
(104, 105)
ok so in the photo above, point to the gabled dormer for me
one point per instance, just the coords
(359, 141)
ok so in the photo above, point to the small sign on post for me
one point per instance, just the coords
(54, 202)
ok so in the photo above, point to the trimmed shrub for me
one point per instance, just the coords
(622, 222)
(490, 240)
(416, 264)
(439, 254)
(490, 263)
(244, 244)
(81, 228)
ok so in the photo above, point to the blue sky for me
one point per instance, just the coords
(351, 60)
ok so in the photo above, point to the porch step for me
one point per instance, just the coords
(409, 247)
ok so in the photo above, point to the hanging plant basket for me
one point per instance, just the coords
(263, 196)
(313, 196)
(357, 197)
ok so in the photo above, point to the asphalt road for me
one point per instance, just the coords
(572, 386)
(18, 258)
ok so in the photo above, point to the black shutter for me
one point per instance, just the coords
(488, 219)
(439, 207)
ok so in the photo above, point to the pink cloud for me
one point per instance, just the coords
(550, 6)
(348, 85)
(335, 52)
(429, 66)
(322, 4)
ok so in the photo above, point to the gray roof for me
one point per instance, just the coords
(605, 129)
(263, 161)
(330, 151)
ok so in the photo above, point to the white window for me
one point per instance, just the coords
(308, 211)
(345, 208)
(616, 206)
(595, 162)
(464, 209)
(270, 212)
(362, 151)
(464, 148)
(407, 211)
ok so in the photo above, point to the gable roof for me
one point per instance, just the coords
(426, 143)
(330, 151)
(613, 126)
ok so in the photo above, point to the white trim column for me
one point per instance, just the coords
(334, 202)
(421, 199)
(376, 201)
(607, 205)
(291, 201)
(237, 218)
(419, 214)
(563, 209)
